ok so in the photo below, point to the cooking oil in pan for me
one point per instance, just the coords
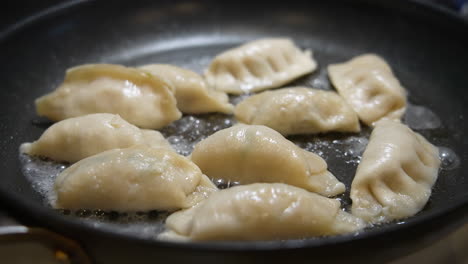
(184, 133)
(420, 117)
(42, 174)
(341, 151)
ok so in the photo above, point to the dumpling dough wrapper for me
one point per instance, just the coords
(137, 96)
(259, 65)
(76, 138)
(138, 178)
(395, 175)
(369, 86)
(261, 211)
(192, 94)
(298, 110)
(252, 154)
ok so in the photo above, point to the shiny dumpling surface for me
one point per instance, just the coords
(259, 65)
(396, 174)
(192, 94)
(369, 86)
(253, 153)
(76, 138)
(261, 212)
(138, 97)
(138, 178)
(298, 110)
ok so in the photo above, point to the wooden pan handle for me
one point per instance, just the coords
(64, 249)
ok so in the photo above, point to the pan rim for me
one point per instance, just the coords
(48, 218)
(459, 208)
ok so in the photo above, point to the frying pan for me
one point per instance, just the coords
(426, 47)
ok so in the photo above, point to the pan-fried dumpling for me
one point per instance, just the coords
(368, 85)
(137, 96)
(298, 110)
(396, 174)
(138, 178)
(261, 212)
(192, 94)
(76, 138)
(259, 65)
(251, 154)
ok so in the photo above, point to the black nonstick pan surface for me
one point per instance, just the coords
(426, 47)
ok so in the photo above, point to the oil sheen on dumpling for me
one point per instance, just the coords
(298, 110)
(396, 174)
(76, 138)
(261, 211)
(138, 178)
(192, 94)
(138, 97)
(369, 86)
(252, 154)
(259, 65)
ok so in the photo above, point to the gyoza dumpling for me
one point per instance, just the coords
(76, 138)
(251, 154)
(192, 94)
(137, 96)
(261, 212)
(368, 85)
(396, 174)
(139, 178)
(259, 65)
(298, 110)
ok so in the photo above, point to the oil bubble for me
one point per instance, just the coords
(449, 159)
(420, 117)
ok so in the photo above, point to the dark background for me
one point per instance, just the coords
(13, 11)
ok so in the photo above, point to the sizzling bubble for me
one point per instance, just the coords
(321, 82)
(449, 159)
(184, 133)
(420, 117)
(347, 148)
(42, 174)
(223, 184)
(237, 99)
(141, 224)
